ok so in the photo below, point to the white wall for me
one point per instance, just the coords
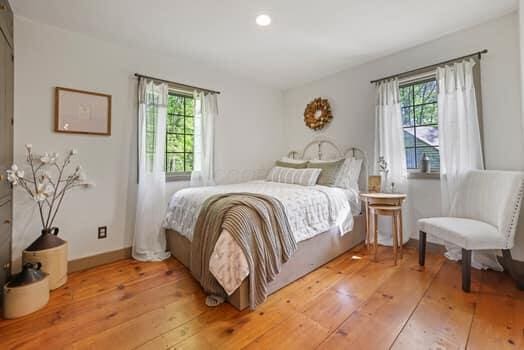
(248, 135)
(352, 99)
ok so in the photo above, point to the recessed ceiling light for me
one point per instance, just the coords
(263, 20)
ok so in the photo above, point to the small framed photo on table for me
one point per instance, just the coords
(374, 184)
(82, 112)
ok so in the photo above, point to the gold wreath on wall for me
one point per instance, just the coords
(318, 114)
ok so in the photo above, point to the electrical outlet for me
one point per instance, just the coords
(102, 232)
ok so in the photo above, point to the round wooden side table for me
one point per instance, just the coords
(388, 204)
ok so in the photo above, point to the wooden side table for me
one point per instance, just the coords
(381, 202)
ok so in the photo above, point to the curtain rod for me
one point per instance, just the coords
(174, 83)
(478, 53)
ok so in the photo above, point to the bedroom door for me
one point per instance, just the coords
(6, 136)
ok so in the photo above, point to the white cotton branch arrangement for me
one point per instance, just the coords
(46, 181)
(383, 166)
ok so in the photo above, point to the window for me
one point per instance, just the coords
(418, 102)
(179, 134)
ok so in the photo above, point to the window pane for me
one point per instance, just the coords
(170, 104)
(175, 162)
(178, 124)
(170, 163)
(425, 92)
(426, 114)
(189, 106)
(409, 137)
(178, 104)
(189, 143)
(190, 125)
(170, 121)
(427, 136)
(189, 161)
(432, 153)
(411, 162)
(407, 116)
(175, 143)
(406, 96)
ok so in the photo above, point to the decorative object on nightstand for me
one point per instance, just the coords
(27, 292)
(425, 164)
(383, 168)
(386, 204)
(374, 183)
(47, 183)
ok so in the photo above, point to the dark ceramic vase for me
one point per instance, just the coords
(47, 240)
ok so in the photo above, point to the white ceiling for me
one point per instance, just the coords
(307, 40)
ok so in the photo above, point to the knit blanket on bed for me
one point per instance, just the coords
(260, 227)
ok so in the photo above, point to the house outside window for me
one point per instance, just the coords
(420, 122)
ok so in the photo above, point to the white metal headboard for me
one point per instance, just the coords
(321, 152)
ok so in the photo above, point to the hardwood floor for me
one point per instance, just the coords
(350, 303)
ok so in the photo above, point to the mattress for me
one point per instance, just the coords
(311, 210)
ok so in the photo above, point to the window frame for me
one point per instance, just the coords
(185, 175)
(410, 81)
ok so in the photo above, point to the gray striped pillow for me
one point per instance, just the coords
(304, 177)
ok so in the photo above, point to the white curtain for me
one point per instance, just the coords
(460, 143)
(149, 239)
(206, 112)
(389, 143)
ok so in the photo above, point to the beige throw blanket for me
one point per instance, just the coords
(258, 224)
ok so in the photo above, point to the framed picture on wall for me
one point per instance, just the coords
(82, 112)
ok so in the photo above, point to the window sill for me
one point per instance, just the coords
(178, 177)
(421, 175)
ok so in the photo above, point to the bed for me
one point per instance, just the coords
(321, 236)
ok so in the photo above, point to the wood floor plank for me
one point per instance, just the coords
(443, 317)
(378, 321)
(137, 331)
(239, 331)
(498, 323)
(88, 316)
(178, 334)
(331, 307)
(300, 293)
(297, 332)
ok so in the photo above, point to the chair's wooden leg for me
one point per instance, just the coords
(401, 243)
(395, 236)
(466, 270)
(375, 234)
(421, 248)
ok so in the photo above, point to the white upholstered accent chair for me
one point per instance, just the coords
(484, 215)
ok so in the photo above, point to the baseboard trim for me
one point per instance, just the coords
(98, 259)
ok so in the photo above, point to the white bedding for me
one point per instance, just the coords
(310, 210)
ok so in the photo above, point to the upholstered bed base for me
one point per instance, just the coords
(311, 254)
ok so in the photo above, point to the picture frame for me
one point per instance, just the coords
(374, 183)
(82, 112)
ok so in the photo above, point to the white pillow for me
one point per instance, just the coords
(293, 160)
(304, 177)
(349, 174)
